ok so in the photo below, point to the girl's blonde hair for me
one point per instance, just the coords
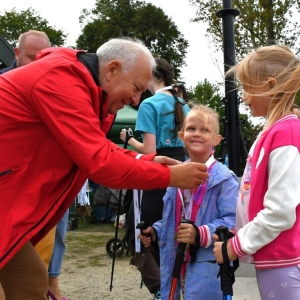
(276, 63)
(205, 113)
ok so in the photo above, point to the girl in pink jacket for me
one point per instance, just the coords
(268, 212)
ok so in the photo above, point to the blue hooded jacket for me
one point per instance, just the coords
(218, 209)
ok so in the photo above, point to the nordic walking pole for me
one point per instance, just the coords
(226, 271)
(177, 265)
(128, 134)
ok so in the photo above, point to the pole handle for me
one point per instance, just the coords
(142, 226)
(226, 279)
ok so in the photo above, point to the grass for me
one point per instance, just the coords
(86, 246)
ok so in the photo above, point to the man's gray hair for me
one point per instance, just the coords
(126, 50)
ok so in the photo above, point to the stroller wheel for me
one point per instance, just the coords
(119, 247)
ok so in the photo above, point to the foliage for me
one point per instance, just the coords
(297, 99)
(260, 23)
(136, 19)
(13, 24)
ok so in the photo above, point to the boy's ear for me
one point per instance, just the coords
(218, 140)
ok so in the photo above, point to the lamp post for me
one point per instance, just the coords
(232, 121)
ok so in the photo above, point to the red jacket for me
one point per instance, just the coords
(53, 129)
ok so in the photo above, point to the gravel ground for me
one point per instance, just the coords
(80, 282)
(86, 271)
(93, 283)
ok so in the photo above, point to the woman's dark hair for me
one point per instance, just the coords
(181, 90)
(163, 72)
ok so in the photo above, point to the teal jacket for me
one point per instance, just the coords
(218, 209)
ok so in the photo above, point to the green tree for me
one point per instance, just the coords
(13, 23)
(260, 23)
(131, 18)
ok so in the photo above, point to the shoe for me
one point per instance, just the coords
(52, 296)
(96, 222)
(155, 296)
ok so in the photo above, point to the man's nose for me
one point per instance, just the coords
(135, 99)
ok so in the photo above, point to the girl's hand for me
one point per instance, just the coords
(218, 250)
(123, 134)
(146, 240)
(186, 233)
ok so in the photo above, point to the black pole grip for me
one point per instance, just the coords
(222, 233)
(142, 226)
(129, 134)
(178, 260)
(179, 255)
(226, 280)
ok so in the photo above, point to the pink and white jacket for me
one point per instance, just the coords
(272, 235)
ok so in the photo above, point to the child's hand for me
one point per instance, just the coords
(218, 250)
(146, 240)
(186, 233)
(123, 135)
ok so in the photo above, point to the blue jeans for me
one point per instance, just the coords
(59, 247)
(102, 213)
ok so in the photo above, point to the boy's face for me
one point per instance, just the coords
(199, 137)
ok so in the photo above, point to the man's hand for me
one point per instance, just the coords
(166, 160)
(186, 233)
(188, 175)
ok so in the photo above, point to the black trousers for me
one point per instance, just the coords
(151, 211)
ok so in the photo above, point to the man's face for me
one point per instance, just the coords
(125, 88)
(26, 53)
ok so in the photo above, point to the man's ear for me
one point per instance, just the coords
(17, 52)
(218, 140)
(112, 68)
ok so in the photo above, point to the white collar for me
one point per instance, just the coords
(164, 89)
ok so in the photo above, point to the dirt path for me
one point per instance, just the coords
(86, 271)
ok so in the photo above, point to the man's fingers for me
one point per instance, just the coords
(188, 175)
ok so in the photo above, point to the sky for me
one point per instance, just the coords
(64, 15)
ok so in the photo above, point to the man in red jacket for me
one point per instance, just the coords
(54, 116)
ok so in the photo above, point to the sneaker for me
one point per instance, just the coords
(155, 296)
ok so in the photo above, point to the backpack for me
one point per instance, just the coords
(126, 199)
(102, 196)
